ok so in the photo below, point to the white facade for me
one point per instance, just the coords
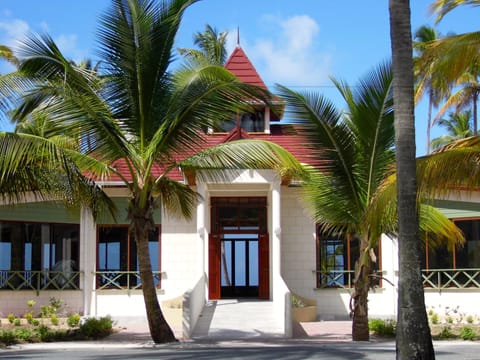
(185, 265)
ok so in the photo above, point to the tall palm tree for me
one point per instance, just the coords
(458, 126)
(466, 97)
(414, 340)
(212, 45)
(455, 57)
(356, 149)
(139, 115)
(428, 80)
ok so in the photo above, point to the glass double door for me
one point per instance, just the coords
(239, 265)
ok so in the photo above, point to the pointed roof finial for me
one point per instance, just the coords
(238, 35)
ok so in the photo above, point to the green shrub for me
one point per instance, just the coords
(11, 318)
(17, 322)
(434, 318)
(35, 322)
(73, 320)
(449, 319)
(24, 335)
(7, 337)
(382, 327)
(467, 333)
(29, 317)
(470, 319)
(94, 328)
(446, 333)
(54, 319)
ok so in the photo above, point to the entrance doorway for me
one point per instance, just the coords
(239, 265)
(238, 248)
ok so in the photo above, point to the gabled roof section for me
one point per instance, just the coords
(237, 133)
(240, 65)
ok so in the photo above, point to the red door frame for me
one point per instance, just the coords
(214, 263)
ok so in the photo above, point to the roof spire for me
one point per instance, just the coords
(238, 35)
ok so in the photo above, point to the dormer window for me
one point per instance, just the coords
(252, 122)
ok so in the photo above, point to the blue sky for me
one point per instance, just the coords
(295, 43)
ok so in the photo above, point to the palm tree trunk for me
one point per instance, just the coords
(475, 110)
(413, 339)
(429, 120)
(363, 268)
(142, 223)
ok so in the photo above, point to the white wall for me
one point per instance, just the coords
(180, 255)
(15, 302)
(299, 265)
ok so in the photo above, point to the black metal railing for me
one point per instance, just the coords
(39, 280)
(451, 278)
(129, 280)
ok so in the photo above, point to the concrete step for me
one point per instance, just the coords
(238, 319)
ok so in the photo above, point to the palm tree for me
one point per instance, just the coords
(414, 340)
(7, 54)
(427, 80)
(466, 97)
(212, 46)
(456, 58)
(443, 7)
(458, 126)
(140, 116)
(356, 149)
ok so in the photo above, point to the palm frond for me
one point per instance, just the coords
(210, 164)
(177, 199)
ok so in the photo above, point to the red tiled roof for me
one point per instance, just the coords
(239, 65)
(283, 135)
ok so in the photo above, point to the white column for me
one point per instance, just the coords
(88, 261)
(202, 231)
(276, 235)
(267, 120)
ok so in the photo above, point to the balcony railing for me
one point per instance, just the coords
(39, 280)
(129, 280)
(451, 278)
(343, 278)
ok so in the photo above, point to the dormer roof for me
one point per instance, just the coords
(240, 65)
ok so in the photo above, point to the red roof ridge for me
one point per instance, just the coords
(236, 133)
(240, 65)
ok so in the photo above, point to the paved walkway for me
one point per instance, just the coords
(235, 319)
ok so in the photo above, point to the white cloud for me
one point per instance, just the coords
(291, 55)
(13, 30)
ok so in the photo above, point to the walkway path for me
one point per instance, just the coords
(235, 319)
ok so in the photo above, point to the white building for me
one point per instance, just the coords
(250, 237)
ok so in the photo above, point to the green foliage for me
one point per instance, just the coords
(53, 308)
(296, 302)
(382, 327)
(467, 333)
(24, 335)
(11, 318)
(54, 319)
(446, 333)
(470, 319)
(35, 322)
(434, 318)
(17, 322)
(449, 320)
(7, 337)
(30, 303)
(73, 320)
(29, 317)
(94, 328)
